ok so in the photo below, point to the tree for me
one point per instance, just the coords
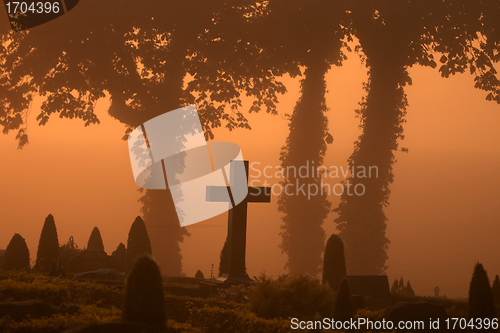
(142, 57)
(334, 266)
(409, 289)
(120, 255)
(138, 242)
(395, 286)
(144, 301)
(68, 250)
(95, 241)
(495, 289)
(17, 255)
(48, 246)
(393, 36)
(224, 259)
(481, 302)
(343, 307)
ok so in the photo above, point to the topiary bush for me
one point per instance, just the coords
(144, 299)
(120, 255)
(334, 267)
(138, 242)
(48, 246)
(481, 302)
(95, 241)
(17, 255)
(343, 307)
(298, 296)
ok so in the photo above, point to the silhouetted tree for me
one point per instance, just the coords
(199, 275)
(309, 34)
(95, 241)
(343, 307)
(409, 289)
(144, 301)
(120, 254)
(481, 302)
(224, 259)
(141, 57)
(395, 286)
(17, 255)
(138, 242)
(48, 246)
(495, 289)
(334, 266)
(393, 36)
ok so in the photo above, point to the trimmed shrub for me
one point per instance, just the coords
(334, 267)
(95, 241)
(224, 259)
(120, 255)
(17, 255)
(343, 307)
(199, 275)
(481, 303)
(409, 289)
(48, 246)
(144, 300)
(138, 242)
(495, 289)
(299, 296)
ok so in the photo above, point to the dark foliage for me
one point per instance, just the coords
(224, 259)
(67, 251)
(343, 307)
(334, 266)
(17, 255)
(199, 275)
(48, 246)
(95, 241)
(120, 255)
(495, 289)
(138, 242)
(481, 302)
(144, 300)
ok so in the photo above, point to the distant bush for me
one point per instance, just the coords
(48, 246)
(334, 267)
(17, 255)
(144, 300)
(343, 307)
(95, 241)
(298, 296)
(199, 275)
(481, 302)
(120, 255)
(495, 289)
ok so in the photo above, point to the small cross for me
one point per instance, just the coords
(237, 222)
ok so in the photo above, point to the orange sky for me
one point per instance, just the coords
(444, 213)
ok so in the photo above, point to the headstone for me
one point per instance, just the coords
(103, 274)
(237, 224)
(374, 289)
(417, 311)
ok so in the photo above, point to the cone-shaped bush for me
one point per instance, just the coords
(199, 275)
(495, 289)
(144, 299)
(343, 307)
(120, 255)
(224, 259)
(481, 303)
(334, 267)
(48, 246)
(138, 242)
(409, 289)
(17, 255)
(95, 241)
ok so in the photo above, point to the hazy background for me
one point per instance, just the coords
(445, 205)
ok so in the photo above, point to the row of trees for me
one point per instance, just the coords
(143, 56)
(51, 256)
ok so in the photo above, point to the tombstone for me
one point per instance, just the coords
(436, 292)
(372, 289)
(417, 311)
(114, 328)
(86, 261)
(237, 224)
(103, 274)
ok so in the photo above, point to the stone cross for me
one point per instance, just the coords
(237, 225)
